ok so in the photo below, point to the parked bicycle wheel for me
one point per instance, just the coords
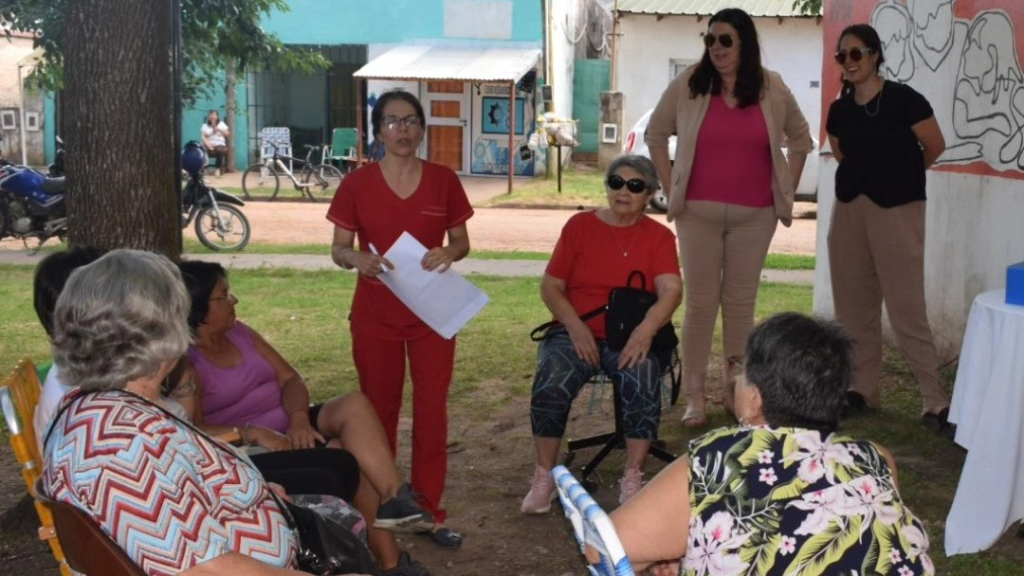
(323, 180)
(259, 180)
(225, 228)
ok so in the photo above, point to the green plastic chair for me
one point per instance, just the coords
(343, 146)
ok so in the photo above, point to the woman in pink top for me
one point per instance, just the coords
(245, 385)
(729, 187)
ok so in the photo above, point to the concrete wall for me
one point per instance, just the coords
(394, 21)
(11, 53)
(965, 58)
(564, 15)
(648, 46)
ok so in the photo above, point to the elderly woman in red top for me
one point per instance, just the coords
(730, 186)
(597, 252)
(377, 203)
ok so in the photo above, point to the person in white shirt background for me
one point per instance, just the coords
(215, 134)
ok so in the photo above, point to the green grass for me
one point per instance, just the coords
(304, 315)
(580, 187)
(192, 246)
(789, 262)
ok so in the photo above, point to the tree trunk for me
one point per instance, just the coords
(118, 119)
(229, 113)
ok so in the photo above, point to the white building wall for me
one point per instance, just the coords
(563, 53)
(647, 47)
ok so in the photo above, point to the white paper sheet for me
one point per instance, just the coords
(444, 301)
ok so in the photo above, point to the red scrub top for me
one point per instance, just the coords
(366, 205)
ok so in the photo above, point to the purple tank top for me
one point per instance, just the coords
(245, 394)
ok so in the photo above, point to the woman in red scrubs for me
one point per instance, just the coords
(376, 204)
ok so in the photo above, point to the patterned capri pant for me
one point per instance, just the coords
(561, 374)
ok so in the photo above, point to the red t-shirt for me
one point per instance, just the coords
(589, 259)
(729, 138)
(366, 205)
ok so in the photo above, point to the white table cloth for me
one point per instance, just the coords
(988, 408)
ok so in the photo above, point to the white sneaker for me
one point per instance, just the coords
(542, 492)
(631, 482)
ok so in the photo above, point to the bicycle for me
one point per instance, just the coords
(317, 181)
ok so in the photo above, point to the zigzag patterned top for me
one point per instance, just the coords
(167, 495)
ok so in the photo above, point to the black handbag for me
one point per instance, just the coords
(627, 306)
(326, 547)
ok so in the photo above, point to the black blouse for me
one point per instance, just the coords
(882, 157)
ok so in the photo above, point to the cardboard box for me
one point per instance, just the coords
(1015, 284)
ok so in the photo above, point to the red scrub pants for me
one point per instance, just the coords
(380, 362)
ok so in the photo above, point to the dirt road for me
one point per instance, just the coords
(490, 229)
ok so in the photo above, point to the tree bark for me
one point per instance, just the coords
(229, 113)
(118, 122)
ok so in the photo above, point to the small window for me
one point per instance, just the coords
(8, 119)
(32, 121)
(677, 65)
(610, 133)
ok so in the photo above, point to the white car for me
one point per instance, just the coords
(806, 191)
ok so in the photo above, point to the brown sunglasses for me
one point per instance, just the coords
(855, 55)
(724, 39)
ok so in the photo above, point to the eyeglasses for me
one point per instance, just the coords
(855, 54)
(227, 296)
(724, 39)
(393, 122)
(635, 185)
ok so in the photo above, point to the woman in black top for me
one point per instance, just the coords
(884, 135)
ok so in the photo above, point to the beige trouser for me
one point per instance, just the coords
(877, 254)
(723, 247)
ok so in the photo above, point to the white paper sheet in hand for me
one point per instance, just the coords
(444, 301)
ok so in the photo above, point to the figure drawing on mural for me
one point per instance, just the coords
(923, 40)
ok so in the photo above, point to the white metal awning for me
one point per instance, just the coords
(446, 62)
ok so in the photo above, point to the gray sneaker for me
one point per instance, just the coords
(403, 513)
(407, 567)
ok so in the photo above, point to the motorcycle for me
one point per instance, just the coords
(219, 224)
(31, 205)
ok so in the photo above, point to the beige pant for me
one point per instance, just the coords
(723, 247)
(877, 254)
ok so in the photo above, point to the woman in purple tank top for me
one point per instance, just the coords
(245, 385)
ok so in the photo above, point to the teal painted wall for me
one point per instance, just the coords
(382, 21)
(49, 126)
(192, 119)
(591, 77)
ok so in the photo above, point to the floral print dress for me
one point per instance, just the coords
(795, 502)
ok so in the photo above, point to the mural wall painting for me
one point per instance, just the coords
(965, 57)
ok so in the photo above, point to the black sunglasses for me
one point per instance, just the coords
(855, 54)
(724, 39)
(635, 185)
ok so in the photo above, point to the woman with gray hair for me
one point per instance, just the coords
(596, 252)
(176, 500)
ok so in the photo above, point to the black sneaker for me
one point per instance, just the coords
(939, 423)
(403, 512)
(854, 405)
(407, 567)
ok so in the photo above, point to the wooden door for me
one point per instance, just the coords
(447, 109)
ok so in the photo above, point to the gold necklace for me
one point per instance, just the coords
(625, 251)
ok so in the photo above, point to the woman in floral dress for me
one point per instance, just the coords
(781, 493)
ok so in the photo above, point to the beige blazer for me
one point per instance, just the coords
(677, 113)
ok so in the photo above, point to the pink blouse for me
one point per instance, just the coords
(732, 162)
